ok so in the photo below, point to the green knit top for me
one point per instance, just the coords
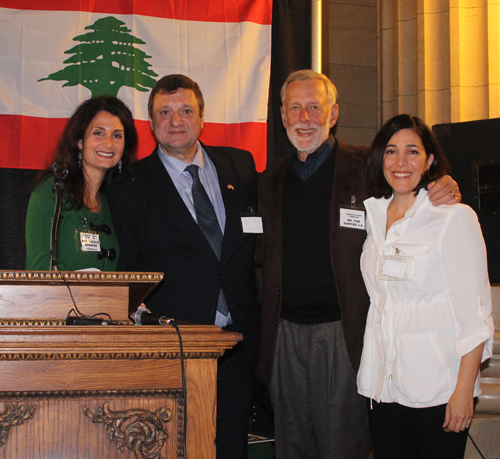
(73, 222)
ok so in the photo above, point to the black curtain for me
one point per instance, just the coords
(291, 50)
(15, 188)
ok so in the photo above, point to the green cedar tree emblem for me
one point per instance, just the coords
(106, 59)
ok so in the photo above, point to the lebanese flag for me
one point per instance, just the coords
(54, 54)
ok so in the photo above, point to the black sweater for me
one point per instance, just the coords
(308, 284)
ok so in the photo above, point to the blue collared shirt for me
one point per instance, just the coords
(305, 169)
(183, 182)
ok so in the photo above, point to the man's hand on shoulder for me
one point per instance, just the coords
(444, 191)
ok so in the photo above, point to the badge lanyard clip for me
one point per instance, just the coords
(352, 216)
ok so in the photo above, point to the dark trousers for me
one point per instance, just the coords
(413, 433)
(235, 387)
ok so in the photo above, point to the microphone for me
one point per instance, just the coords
(59, 173)
(143, 316)
(58, 187)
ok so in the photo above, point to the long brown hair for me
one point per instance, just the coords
(66, 154)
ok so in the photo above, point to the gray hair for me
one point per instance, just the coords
(308, 74)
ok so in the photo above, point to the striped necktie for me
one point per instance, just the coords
(208, 223)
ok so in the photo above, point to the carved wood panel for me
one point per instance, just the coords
(60, 425)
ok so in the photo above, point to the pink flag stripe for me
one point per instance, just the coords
(193, 10)
(28, 142)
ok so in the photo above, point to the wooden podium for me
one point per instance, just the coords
(115, 391)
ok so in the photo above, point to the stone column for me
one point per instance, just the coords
(439, 59)
(350, 61)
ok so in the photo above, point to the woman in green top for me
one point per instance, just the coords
(98, 144)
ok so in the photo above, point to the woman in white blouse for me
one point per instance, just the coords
(429, 325)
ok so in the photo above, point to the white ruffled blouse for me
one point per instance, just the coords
(419, 328)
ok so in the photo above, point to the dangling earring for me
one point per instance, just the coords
(80, 158)
(120, 166)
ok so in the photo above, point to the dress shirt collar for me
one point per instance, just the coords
(175, 166)
(305, 169)
(377, 215)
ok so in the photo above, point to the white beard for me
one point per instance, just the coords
(311, 143)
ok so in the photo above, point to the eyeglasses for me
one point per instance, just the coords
(97, 228)
(107, 253)
(100, 228)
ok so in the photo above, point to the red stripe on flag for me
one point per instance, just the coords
(258, 11)
(35, 147)
(248, 136)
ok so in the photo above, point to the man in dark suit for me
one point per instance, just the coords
(181, 215)
(314, 299)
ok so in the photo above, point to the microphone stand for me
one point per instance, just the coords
(58, 187)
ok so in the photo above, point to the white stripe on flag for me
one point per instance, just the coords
(230, 61)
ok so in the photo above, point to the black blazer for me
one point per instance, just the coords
(157, 233)
(345, 251)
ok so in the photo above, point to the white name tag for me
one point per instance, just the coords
(90, 242)
(252, 225)
(394, 268)
(352, 218)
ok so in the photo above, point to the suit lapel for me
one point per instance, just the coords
(229, 188)
(163, 190)
(347, 170)
(274, 198)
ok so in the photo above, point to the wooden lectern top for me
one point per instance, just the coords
(31, 295)
(101, 391)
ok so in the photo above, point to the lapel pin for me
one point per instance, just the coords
(230, 187)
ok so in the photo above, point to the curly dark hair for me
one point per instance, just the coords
(169, 84)
(66, 153)
(376, 182)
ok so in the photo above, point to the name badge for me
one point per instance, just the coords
(396, 268)
(90, 242)
(352, 218)
(252, 224)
